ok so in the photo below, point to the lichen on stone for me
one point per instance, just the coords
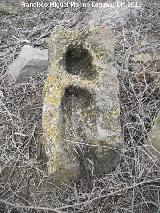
(81, 103)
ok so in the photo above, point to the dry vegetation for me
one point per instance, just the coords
(24, 184)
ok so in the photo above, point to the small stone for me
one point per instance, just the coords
(142, 57)
(154, 136)
(29, 62)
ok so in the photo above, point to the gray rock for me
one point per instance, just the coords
(29, 62)
(154, 136)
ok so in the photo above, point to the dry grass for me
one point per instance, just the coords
(25, 186)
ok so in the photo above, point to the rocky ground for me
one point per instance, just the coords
(135, 184)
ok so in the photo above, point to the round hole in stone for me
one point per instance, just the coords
(78, 111)
(78, 61)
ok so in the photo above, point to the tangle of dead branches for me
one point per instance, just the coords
(24, 183)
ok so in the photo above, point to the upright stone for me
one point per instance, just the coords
(81, 107)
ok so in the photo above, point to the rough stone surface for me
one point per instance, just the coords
(30, 61)
(81, 107)
(154, 135)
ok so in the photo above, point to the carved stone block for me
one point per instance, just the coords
(81, 107)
